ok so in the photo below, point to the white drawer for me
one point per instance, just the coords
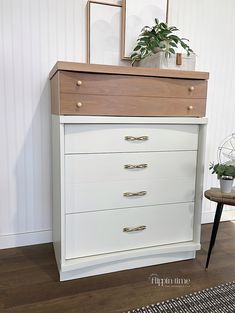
(100, 138)
(110, 195)
(102, 232)
(81, 168)
(99, 181)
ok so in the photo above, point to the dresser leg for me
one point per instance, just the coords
(218, 213)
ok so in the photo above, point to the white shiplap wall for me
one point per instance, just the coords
(33, 36)
(209, 24)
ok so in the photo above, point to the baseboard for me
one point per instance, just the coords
(208, 217)
(25, 239)
(120, 265)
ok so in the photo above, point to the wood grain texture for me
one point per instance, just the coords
(30, 283)
(108, 84)
(214, 194)
(55, 94)
(123, 31)
(124, 70)
(130, 106)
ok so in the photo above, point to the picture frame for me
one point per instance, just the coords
(135, 15)
(104, 33)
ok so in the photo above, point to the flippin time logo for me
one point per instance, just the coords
(160, 281)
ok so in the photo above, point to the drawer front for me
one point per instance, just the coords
(101, 181)
(96, 233)
(89, 138)
(92, 168)
(122, 194)
(124, 85)
(79, 104)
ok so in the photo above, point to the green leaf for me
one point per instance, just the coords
(145, 28)
(173, 29)
(163, 26)
(142, 42)
(166, 32)
(137, 48)
(183, 44)
(156, 21)
(174, 37)
(161, 36)
(134, 54)
(173, 44)
(222, 169)
(172, 50)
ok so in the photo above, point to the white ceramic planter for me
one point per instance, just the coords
(226, 185)
(159, 60)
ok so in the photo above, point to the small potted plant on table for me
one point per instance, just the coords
(226, 174)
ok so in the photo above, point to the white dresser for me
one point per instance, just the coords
(126, 189)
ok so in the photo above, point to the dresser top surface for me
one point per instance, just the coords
(125, 70)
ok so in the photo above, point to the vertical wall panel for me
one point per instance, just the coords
(33, 36)
(209, 25)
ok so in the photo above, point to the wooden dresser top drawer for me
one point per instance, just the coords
(83, 89)
(114, 230)
(124, 85)
(80, 104)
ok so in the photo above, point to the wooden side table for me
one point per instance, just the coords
(214, 194)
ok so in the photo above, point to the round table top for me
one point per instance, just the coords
(214, 194)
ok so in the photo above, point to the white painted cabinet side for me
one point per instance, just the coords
(199, 182)
(57, 193)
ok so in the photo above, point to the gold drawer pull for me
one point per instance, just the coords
(78, 104)
(190, 107)
(132, 166)
(135, 194)
(79, 83)
(191, 88)
(132, 229)
(132, 138)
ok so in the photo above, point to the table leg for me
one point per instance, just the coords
(218, 213)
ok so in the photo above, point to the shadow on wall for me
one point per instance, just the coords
(33, 177)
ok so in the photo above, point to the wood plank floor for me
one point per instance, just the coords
(29, 282)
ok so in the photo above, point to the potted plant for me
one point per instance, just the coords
(226, 174)
(158, 43)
